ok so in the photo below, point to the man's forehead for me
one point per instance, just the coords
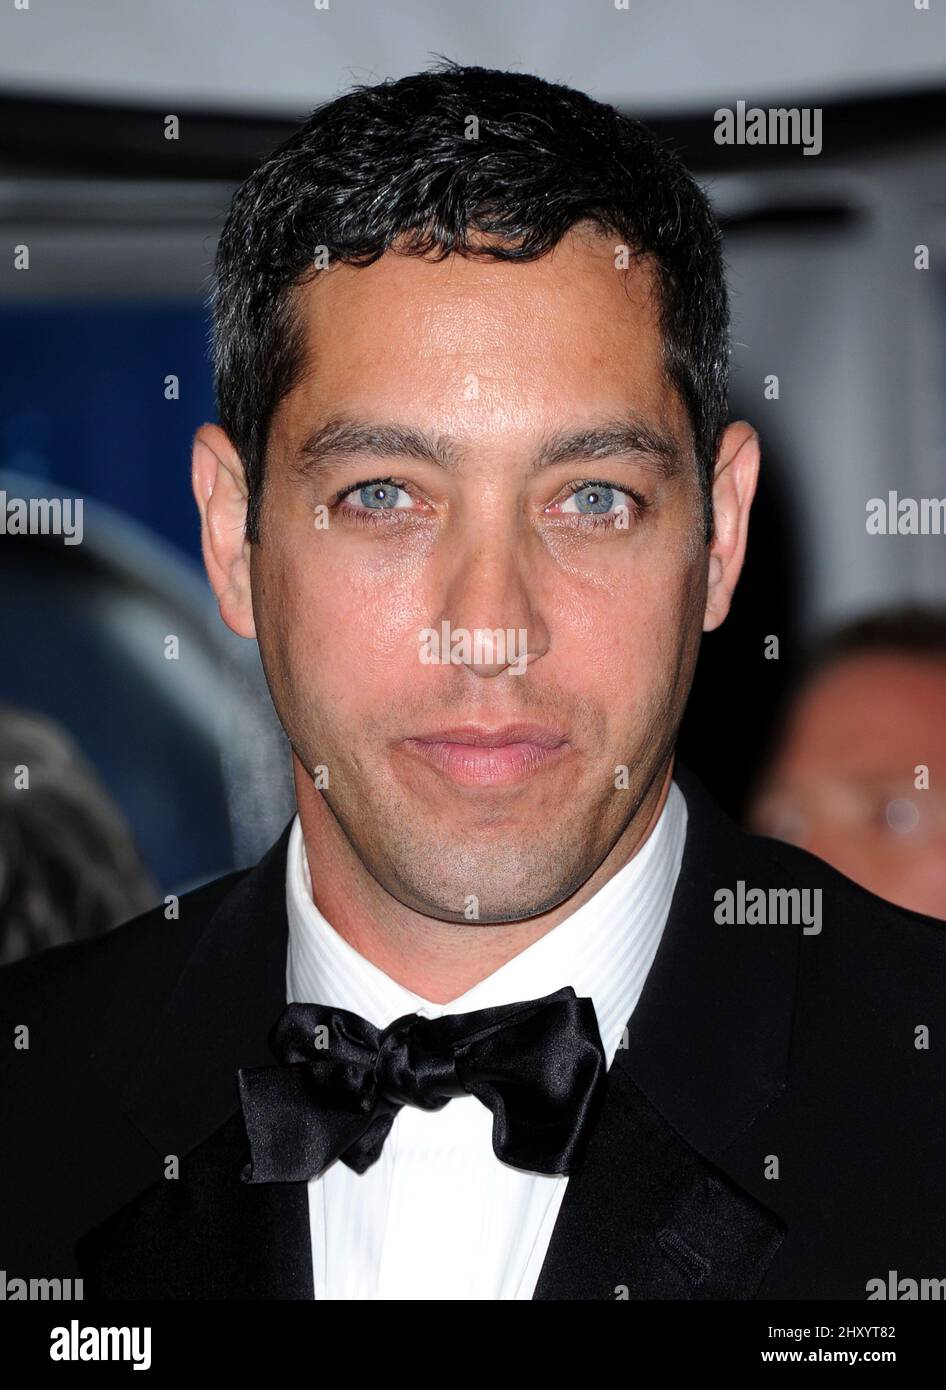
(583, 279)
(552, 336)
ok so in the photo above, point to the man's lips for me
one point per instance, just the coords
(497, 736)
(476, 755)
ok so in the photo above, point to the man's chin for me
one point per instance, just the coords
(488, 873)
(462, 905)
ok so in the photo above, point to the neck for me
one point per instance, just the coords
(439, 960)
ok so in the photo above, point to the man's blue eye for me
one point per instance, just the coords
(379, 496)
(595, 499)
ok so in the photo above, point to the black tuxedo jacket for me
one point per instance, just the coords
(771, 1130)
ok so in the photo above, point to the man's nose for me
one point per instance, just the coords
(491, 604)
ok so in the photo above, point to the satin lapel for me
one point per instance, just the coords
(647, 1217)
(653, 1212)
(204, 1233)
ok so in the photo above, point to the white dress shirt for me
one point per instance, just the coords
(439, 1216)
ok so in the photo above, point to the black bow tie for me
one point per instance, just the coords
(539, 1066)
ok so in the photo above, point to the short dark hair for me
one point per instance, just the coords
(393, 162)
(912, 630)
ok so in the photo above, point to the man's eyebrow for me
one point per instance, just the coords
(658, 448)
(341, 437)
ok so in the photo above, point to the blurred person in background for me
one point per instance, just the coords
(858, 772)
(69, 868)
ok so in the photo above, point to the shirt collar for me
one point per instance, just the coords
(604, 949)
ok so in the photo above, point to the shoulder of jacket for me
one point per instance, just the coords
(155, 944)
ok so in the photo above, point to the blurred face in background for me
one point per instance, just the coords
(848, 783)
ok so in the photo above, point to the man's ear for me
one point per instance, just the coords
(734, 484)
(220, 491)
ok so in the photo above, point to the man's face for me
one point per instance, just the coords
(598, 560)
(844, 783)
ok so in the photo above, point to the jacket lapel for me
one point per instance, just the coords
(205, 1233)
(647, 1217)
(653, 1213)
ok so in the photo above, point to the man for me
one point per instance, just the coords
(857, 773)
(511, 1010)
